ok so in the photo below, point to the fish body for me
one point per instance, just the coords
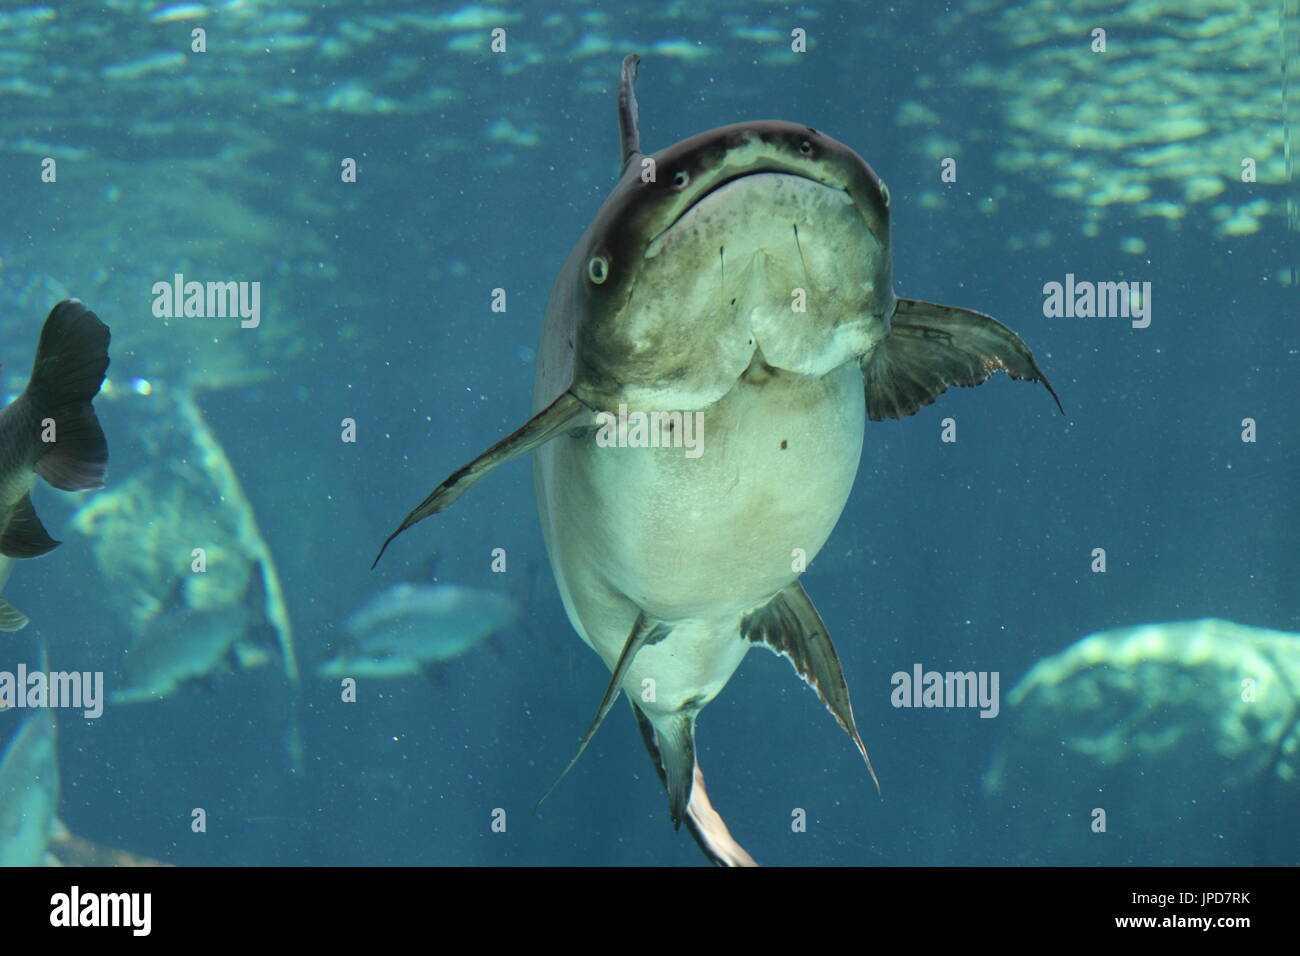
(740, 280)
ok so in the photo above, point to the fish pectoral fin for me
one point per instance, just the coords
(11, 619)
(645, 631)
(931, 347)
(564, 414)
(24, 536)
(705, 823)
(789, 625)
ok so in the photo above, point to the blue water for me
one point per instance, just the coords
(376, 306)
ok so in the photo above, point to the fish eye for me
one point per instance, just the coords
(681, 178)
(884, 194)
(805, 147)
(598, 269)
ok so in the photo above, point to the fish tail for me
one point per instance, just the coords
(71, 360)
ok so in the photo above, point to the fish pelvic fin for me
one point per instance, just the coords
(11, 619)
(564, 414)
(645, 631)
(705, 823)
(71, 360)
(931, 347)
(24, 536)
(790, 626)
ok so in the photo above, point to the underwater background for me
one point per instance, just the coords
(478, 170)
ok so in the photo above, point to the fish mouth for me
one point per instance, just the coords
(727, 181)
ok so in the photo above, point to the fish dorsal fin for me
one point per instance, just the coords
(790, 626)
(629, 115)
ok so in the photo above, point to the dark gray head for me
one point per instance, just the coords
(765, 238)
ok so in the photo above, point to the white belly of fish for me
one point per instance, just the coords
(698, 542)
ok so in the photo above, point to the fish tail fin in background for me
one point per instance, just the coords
(71, 360)
(263, 584)
(262, 630)
(267, 634)
(249, 534)
(268, 587)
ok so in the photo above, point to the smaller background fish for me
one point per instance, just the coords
(29, 791)
(31, 833)
(184, 642)
(411, 628)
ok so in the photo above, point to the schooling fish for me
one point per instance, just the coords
(51, 430)
(739, 281)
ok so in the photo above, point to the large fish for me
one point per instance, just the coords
(744, 274)
(51, 430)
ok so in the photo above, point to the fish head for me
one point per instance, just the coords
(765, 241)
